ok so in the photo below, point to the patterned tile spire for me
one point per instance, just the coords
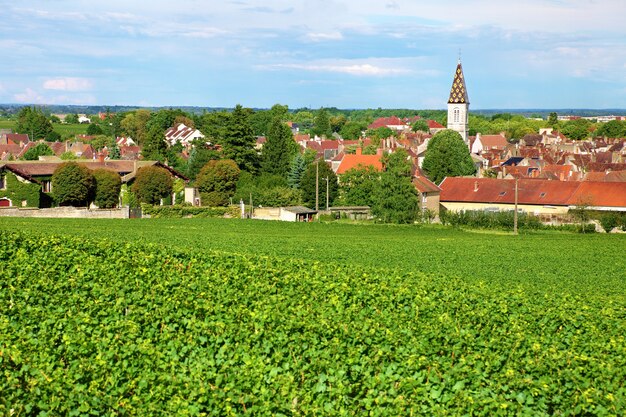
(458, 92)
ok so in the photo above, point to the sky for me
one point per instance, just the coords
(348, 54)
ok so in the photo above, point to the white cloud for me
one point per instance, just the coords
(68, 84)
(322, 37)
(358, 69)
(29, 96)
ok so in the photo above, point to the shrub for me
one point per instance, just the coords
(73, 185)
(217, 181)
(151, 184)
(108, 186)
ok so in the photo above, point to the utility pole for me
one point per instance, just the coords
(251, 212)
(327, 198)
(515, 213)
(317, 185)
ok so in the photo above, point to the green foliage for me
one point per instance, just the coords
(90, 329)
(33, 122)
(352, 130)
(296, 170)
(217, 182)
(612, 129)
(68, 156)
(108, 187)
(101, 141)
(380, 133)
(420, 125)
(322, 124)
(279, 149)
(489, 220)
(358, 186)
(307, 185)
(199, 156)
(53, 136)
(576, 129)
(267, 190)
(154, 146)
(114, 151)
(19, 192)
(73, 185)
(152, 184)
(33, 154)
(183, 211)
(71, 118)
(553, 120)
(94, 129)
(238, 140)
(395, 197)
(447, 156)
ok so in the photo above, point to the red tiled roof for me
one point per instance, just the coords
(493, 141)
(16, 138)
(491, 190)
(434, 125)
(353, 161)
(600, 194)
(610, 176)
(386, 121)
(424, 185)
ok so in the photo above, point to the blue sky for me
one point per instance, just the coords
(343, 53)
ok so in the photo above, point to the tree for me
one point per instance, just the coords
(380, 133)
(135, 125)
(239, 141)
(447, 155)
(307, 184)
(32, 121)
(154, 146)
(94, 129)
(553, 120)
(420, 125)
(108, 186)
(581, 211)
(217, 182)
(358, 185)
(33, 154)
(114, 151)
(152, 183)
(198, 158)
(612, 129)
(337, 122)
(576, 129)
(352, 130)
(395, 196)
(322, 123)
(71, 119)
(73, 185)
(279, 149)
(68, 156)
(53, 137)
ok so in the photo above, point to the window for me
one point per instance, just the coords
(3, 184)
(502, 193)
(457, 114)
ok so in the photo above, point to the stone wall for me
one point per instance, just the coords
(66, 213)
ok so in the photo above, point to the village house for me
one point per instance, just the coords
(183, 135)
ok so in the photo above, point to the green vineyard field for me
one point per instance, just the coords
(223, 317)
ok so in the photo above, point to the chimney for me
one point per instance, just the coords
(379, 151)
(359, 151)
(475, 186)
(101, 157)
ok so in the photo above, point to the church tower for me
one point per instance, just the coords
(458, 105)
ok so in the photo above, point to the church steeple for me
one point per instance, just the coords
(458, 92)
(458, 104)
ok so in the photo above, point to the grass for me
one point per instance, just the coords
(592, 263)
(65, 130)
